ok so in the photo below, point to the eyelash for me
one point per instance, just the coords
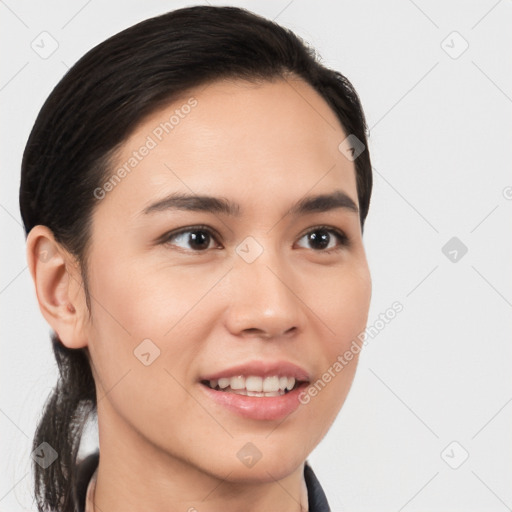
(340, 235)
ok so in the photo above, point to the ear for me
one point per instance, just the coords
(59, 288)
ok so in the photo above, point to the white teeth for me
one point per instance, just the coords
(224, 382)
(254, 385)
(271, 384)
(274, 393)
(237, 382)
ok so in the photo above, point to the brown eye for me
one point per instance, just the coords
(325, 239)
(195, 239)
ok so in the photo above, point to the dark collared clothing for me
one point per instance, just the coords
(317, 500)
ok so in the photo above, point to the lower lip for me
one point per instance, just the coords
(257, 408)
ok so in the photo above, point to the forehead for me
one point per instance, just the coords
(274, 140)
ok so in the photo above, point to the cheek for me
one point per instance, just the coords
(343, 305)
(148, 301)
(141, 317)
(136, 312)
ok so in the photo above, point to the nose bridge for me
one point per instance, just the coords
(261, 298)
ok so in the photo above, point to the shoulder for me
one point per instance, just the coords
(317, 500)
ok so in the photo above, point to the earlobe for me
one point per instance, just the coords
(58, 285)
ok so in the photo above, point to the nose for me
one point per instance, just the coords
(263, 300)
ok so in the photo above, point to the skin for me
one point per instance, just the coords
(163, 444)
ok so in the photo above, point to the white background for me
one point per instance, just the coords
(440, 139)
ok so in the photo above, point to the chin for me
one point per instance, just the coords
(260, 460)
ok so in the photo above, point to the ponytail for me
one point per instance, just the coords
(64, 416)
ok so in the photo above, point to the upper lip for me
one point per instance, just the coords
(262, 369)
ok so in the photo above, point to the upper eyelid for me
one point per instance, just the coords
(327, 228)
(186, 229)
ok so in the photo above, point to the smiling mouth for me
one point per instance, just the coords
(254, 385)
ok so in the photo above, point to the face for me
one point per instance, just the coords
(259, 289)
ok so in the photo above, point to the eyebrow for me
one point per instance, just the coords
(211, 204)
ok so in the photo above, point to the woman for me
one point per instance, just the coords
(194, 192)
